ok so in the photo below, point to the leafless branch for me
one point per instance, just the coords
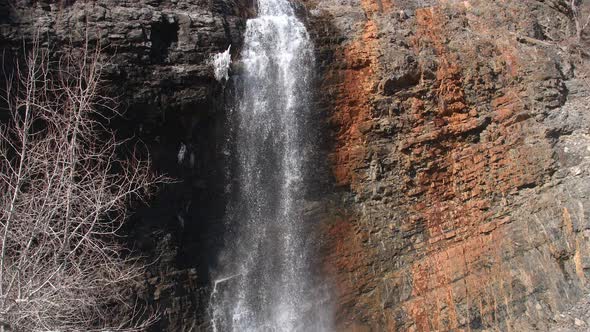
(65, 196)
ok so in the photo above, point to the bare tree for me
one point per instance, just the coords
(64, 195)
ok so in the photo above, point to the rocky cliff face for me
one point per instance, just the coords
(461, 136)
(157, 56)
(457, 133)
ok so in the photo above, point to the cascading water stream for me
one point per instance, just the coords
(265, 281)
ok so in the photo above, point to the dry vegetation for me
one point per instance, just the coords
(64, 198)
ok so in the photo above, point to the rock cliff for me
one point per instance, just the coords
(157, 56)
(457, 135)
(460, 137)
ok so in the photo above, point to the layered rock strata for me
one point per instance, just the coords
(461, 138)
(157, 66)
(458, 141)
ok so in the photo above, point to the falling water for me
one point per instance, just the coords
(265, 282)
(221, 63)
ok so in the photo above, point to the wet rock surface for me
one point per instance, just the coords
(157, 67)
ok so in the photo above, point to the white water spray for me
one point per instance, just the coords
(266, 282)
(221, 63)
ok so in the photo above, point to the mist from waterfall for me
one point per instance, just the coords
(265, 280)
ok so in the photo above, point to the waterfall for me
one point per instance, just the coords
(221, 63)
(265, 281)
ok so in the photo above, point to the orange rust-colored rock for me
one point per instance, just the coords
(452, 178)
(352, 103)
(346, 253)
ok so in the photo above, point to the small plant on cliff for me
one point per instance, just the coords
(581, 19)
(63, 202)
